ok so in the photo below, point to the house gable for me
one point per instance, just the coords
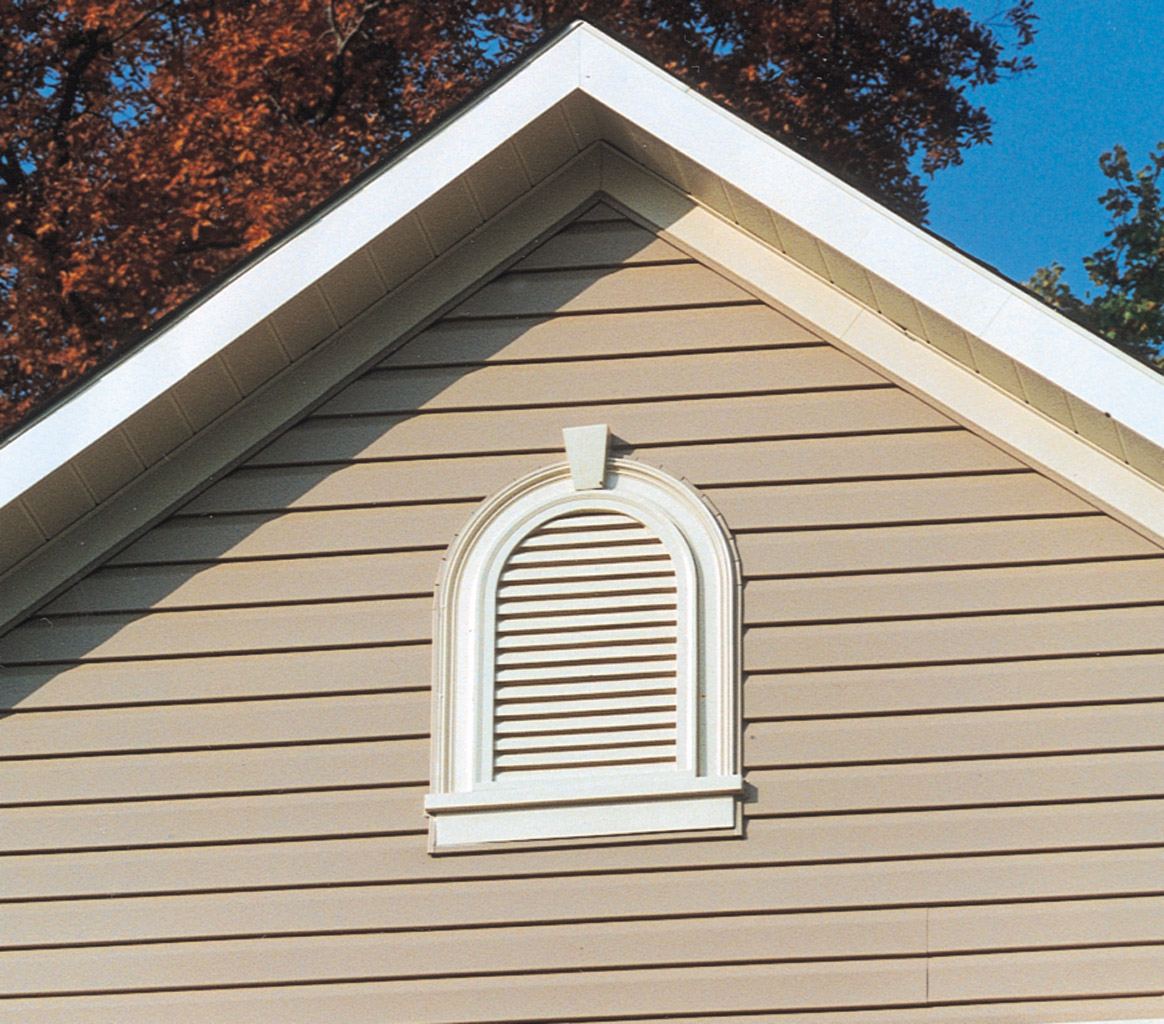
(218, 754)
(287, 328)
(945, 505)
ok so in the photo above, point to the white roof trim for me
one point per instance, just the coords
(584, 59)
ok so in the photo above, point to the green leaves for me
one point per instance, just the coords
(1127, 306)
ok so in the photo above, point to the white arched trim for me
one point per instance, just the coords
(471, 803)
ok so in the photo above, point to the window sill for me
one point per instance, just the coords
(472, 819)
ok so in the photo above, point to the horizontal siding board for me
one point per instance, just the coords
(394, 574)
(228, 819)
(1033, 1011)
(462, 478)
(311, 531)
(968, 831)
(944, 736)
(949, 545)
(983, 782)
(862, 457)
(417, 954)
(671, 421)
(1065, 923)
(599, 244)
(987, 637)
(98, 684)
(174, 633)
(951, 687)
(151, 774)
(758, 889)
(320, 1005)
(955, 592)
(272, 535)
(601, 334)
(1048, 974)
(624, 379)
(209, 868)
(579, 291)
(301, 719)
(940, 498)
(534, 997)
(452, 479)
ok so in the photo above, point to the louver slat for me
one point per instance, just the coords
(643, 648)
(532, 710)
(586, 645)
(525, 646)
(652, 665)
(631, 601)
(663, 753)
(552, 625)
(659, 580)
(625, 688)
(558, 571)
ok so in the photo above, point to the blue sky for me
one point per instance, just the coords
(1031, 197)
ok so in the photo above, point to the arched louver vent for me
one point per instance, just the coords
(585, 660)
(586, 649)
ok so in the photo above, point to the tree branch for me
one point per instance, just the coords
(343, 38)
(92, 44)
(11, 172)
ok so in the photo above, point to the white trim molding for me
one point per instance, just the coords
(679, 769)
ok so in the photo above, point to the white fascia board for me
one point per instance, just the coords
(281, 274)
(932, 272)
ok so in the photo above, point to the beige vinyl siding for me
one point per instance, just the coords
(746, 889)
(215, 757)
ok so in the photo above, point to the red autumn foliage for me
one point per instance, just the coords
(146, 145)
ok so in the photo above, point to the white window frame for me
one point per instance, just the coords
(702, 790)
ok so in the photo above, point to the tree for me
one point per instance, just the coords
(1128, 308)
(146, 145)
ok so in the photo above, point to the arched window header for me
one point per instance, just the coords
(586, 659)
